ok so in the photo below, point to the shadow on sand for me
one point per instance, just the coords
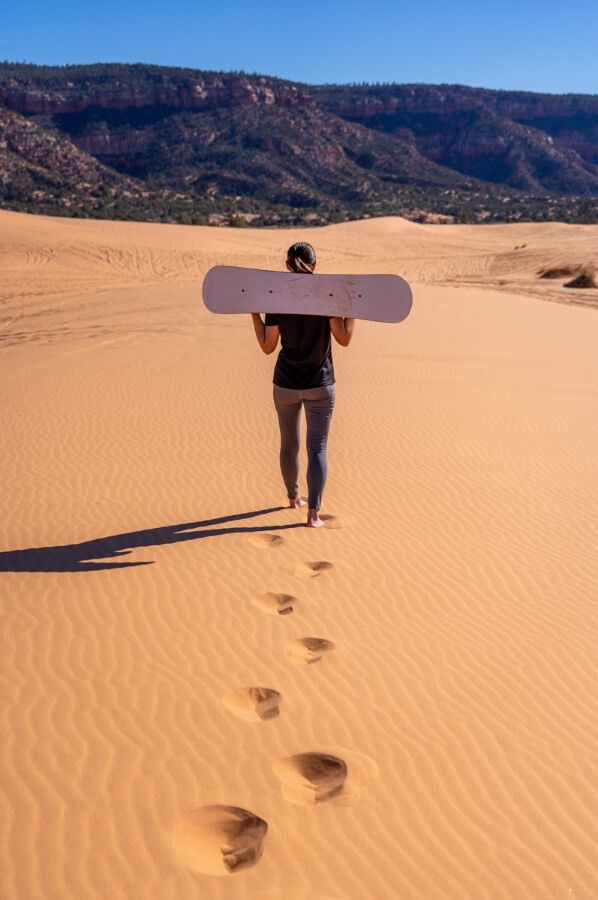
(79, 557)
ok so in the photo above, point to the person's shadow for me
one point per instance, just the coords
(79, 557)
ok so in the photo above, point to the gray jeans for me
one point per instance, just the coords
(319, 404)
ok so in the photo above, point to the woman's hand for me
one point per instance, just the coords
(267, 335)
(342, 330)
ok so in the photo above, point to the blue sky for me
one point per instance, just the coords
(538, 46)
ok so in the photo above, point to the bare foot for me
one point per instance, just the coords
(297, 502)
(313, 519)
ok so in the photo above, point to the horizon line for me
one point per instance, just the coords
(243, 72)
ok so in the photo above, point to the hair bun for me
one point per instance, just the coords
(301, 257)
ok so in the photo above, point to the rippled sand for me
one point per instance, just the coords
(402, 704)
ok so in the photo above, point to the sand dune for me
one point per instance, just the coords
(202, 698)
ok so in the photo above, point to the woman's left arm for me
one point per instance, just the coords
(267, 335)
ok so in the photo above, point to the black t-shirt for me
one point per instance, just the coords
(305, 360)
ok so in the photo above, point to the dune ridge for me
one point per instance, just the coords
(148, 617)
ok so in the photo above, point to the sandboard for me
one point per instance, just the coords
(379, 298)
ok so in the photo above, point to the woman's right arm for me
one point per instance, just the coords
(267, 335)
(342, 330)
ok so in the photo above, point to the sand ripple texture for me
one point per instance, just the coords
(445, 743)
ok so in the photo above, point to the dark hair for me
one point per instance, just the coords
(301, 257)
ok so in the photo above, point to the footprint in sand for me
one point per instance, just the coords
(254, 704)
(312, 569)
(275, 604)
(309, 778)
(331, 521)
(218, 840)
(266, 540)
(308, 649)
(320, 776)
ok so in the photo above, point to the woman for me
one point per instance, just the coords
(304, 376)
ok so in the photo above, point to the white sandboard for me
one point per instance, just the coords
(380, 298)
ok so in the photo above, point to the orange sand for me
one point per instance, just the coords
(445, 717)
